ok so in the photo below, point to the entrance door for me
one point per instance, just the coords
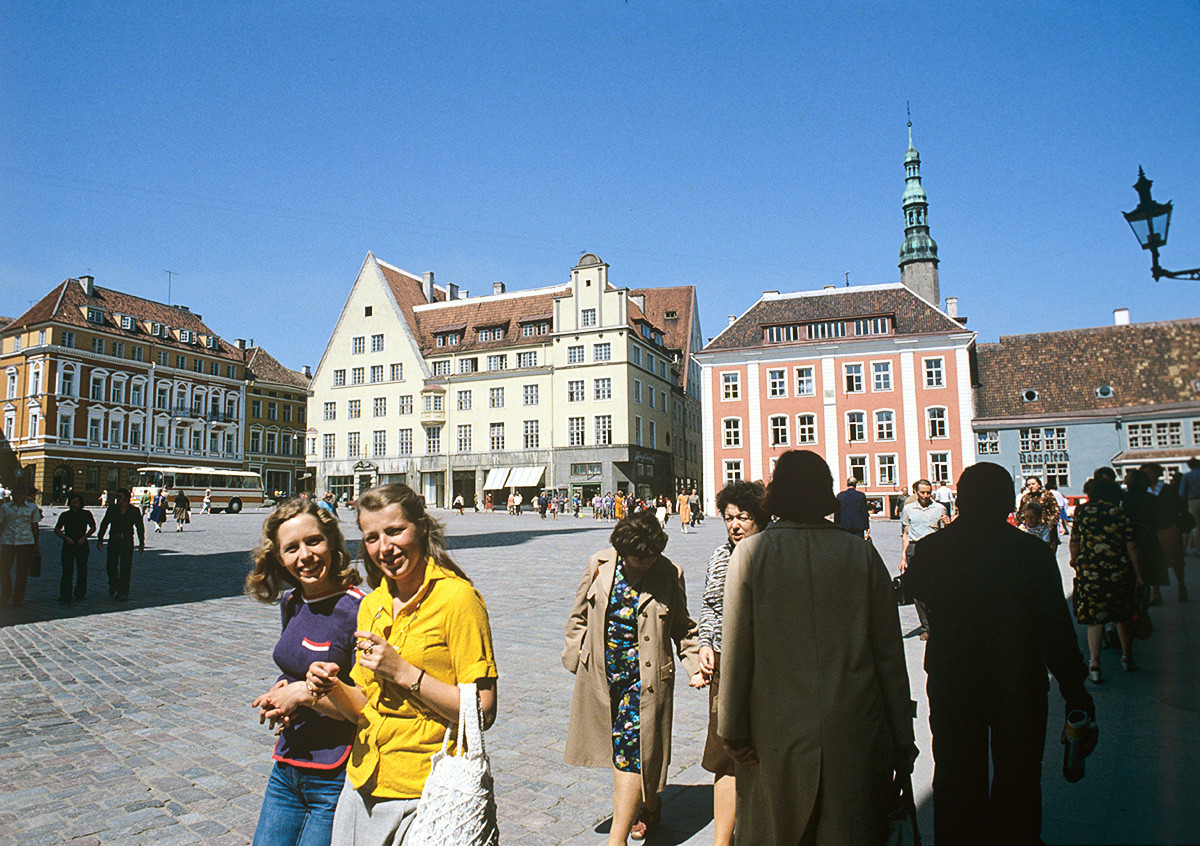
(433, 487)
(364, 483)
(464, 485)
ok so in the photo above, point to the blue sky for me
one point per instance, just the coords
(259, 150)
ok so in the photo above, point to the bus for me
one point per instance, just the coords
(232, 490)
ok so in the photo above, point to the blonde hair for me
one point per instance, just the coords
(432, 532)
(268, 578)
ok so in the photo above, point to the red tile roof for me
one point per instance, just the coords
(263, 366)
(1145, 364)
(677, 330)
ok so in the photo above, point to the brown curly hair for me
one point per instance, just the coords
(432, 532)
(639, 536)
(269, 578)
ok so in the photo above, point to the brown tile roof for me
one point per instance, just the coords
(408, 291)
(507, 311)
(911, 314)
(66, 304)
(263, 366)
(1145, 364)
(677, 330)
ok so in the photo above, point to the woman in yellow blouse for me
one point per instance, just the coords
(422, 631)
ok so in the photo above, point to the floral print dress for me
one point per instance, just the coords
(624, 677)
(1105, 581)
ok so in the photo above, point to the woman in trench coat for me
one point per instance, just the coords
(629, 620)
(814, 701)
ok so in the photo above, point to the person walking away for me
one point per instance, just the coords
(158, 510)
(144, 501)
(1190, 491)
(206, 507)
(740, 506)
(1146, 512)
(853, 512)
(301, 563)
(104, 499)
(1105, 562)
(685, 511)
(19, 520)
(183, 510)
(919, 519)
(124, 520)
(74, 526)
(459, 505)
(1173, 535)
(996, 604)
(814, 703)
(630, 610)
(694, 507)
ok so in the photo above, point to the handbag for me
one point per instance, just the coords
(458, 802)
(902, 821)
(1140, 625)
(903, 597)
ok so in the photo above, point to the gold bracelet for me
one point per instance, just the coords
(416, 686)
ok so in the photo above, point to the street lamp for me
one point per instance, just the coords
(1150, 222)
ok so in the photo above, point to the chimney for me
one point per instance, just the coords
(427, 285)
(241, 343)
(89, 285)
(1120, 317)
(453, 291)
(497, 287)
(732, 319)
(829, 287)
(952, 306)
(307, 371)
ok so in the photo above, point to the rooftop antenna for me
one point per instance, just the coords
(847, 278)
(169, 273)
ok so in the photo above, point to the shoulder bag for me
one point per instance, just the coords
(458, 802)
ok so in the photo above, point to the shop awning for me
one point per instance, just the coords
(526, 477)
(495, 478)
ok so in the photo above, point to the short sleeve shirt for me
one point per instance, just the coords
(444, 631)
(921, 521)
(18, 522)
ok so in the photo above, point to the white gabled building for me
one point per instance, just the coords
(582, 388)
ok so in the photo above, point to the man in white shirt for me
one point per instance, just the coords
(917, 520)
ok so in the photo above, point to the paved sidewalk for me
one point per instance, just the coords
(130, 723)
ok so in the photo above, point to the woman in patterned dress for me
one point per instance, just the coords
(629, 620)
(1107, 570)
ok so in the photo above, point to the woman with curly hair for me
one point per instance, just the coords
(302, 555)
(422, 631)
(630, 610)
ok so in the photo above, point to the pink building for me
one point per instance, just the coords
(875, 378)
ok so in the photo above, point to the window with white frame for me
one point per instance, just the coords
(885, 469)
(404, 442)
(783, 334)
(881, 375)
(635, 355)
(468, 365)
(377, 343)
(939, 468)
(464, 401)
(529, 395)
(353, 444)
(602, 352)
(854, 378)
(97, 387)
(527, 359)
(858, 468)
(637, 390)
(575, 354)
(777, 383)
(94, 424)
(575, 390)
(406, 404)
(97, 345)
(602, 388)
(497, 362)
(603, 429)
(650, 397)
(379, 407)
(396, 372)
(731, 386)
(339, 378)
(587, 317)
(732, 427)
(353, 409)
(329, 411)
(778, 428)
(432, 402)
(936, 419)
(328, 447)
(529, 431)
(885, 425)
(733, 470)
(12, 385)
(462, 438)
(356, 375)
(67, 339)
(575, 431)
(358, 345)
(137, 394)
(806, 429)
(987, 442)
(433, 440)
(1168, 434)
(653, 434)
(1048, 438)
(495, 397)
(496, 436)
(856, 426)
(934, 373)
(441, 367)
(66, 382)
(66, 426)
(376, 373)
(637, 430)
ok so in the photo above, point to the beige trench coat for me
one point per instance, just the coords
(663, 623)
(812, 676)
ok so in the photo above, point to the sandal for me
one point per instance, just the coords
(647, 823)
(1095, 675)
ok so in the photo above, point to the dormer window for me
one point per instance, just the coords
(448, 339)
(671, 314)
(126, 321)
(95, 315)
(187, 336)
(491, 333)
(871, 326)
(1029, 395)
(783, 334)
(212, 342)
(158, 330)
(1105, 392)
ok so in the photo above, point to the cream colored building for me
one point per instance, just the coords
(582, 388)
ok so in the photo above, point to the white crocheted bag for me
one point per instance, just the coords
(458, 803)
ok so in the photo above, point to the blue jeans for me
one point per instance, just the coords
(298, 807)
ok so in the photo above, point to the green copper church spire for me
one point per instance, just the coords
(918, 255)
